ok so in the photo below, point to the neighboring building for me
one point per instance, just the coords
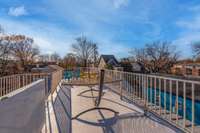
(109, 61)
(129, 65)
(46, 68)
(189, 69)
(136, 67)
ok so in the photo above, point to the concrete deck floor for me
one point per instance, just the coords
(69, 101)
(130, 119)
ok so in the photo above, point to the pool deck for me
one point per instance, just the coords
(68, 102)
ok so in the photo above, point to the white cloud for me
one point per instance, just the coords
(183, 43)
(190, 31)
(120, 3)
(195, 8)
(193, 24)
(17, 11)
(50, 39)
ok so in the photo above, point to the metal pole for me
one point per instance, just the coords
(165, 96)
(155, 94)
(100, 87)
(170, 100)
(193, 109)
(160, 96)
(121, 85)
(184, 104)
(177, 108)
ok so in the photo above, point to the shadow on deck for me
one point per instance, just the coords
(69, 101)
(59, 111)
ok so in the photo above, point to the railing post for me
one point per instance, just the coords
(160, 106)
(121, 83)
(177, 106)
(193, 107)
(165, 96)
(184, 104)
(147, 87)
(100, 87)
(170, 100)
(155, 94)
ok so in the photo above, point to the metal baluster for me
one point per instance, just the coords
(121, 82)
(9, 84)
(142, 85)
(155, 96)
(170, 100)
(151, 101)
(147, 91)
(1, 87)
(131, 82)
(177, 106)
(145, 88)
(139, 87)
(193, 109)
(184, 104)
(160, 106)
(165, 107)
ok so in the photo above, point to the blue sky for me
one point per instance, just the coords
(116, 25)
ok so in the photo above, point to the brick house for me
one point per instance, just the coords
(189, 69)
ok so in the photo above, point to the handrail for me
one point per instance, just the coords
(173, 99)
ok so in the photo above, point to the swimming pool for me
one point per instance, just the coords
(69, 74)
(151, 99)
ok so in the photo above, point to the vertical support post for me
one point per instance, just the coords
(121, 81)
(131, 82)
(170, 100)
(1, 87)
(100, 87)
(184, 104)
(160, 96)
(165, 96)
(142, 85)
(177, 107)
(151, 91)
(147, 91)
(193, 109)
(139, 86)
(155, 94)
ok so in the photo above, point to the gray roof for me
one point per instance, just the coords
(107, 58)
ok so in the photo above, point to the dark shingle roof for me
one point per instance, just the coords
(107, 58)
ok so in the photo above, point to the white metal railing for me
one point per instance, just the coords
(175, 100)
(14, 82)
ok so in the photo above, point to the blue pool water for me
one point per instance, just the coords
(180, 103)
(72, 74)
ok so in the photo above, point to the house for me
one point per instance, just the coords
(186, 69)
(129, 65)
(109, 62)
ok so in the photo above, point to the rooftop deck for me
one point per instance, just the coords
(70, 101)
(170, 104)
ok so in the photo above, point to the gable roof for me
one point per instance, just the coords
(109, 58)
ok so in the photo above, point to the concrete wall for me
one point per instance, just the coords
(24, 112)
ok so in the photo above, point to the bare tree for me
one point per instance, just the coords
(24, 50)
(95, 54)
(196, 49)
(84, 50)
(55, 57)
(5, 50)
(156, 57)
(69, 61)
